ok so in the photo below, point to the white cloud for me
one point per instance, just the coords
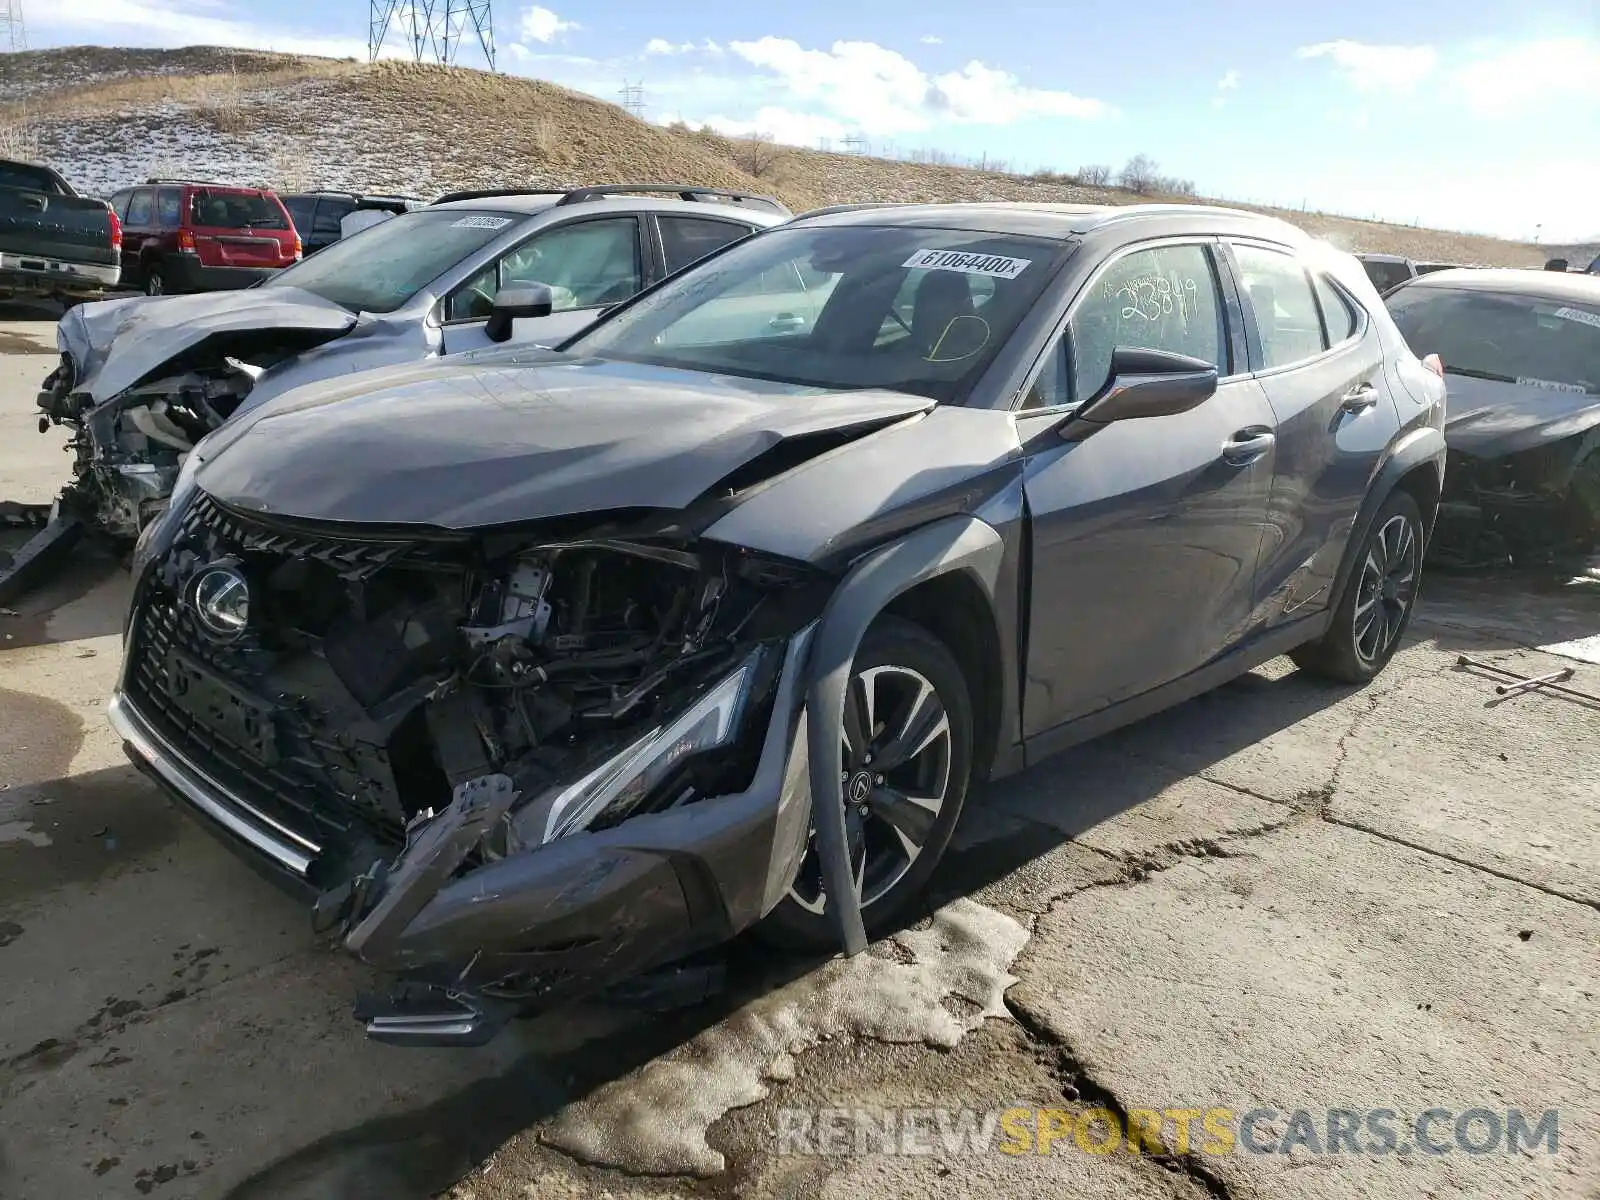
(153, 23)
(931, 39)
(1503, 79)
(541, 25)
(781, 124)
(861, 85)
(1372, 68)
(1229, 82)
(662, 46)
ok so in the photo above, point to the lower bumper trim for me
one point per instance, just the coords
(58, 271)
(240, 818)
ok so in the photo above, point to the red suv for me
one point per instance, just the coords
(202, 237)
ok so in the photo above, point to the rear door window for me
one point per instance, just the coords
(1281, 300)
(1490, 335)
(141, 207)
(685, 240)
(301, 210)
(329, 214)
(169, 208)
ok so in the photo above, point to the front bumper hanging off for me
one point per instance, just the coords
(579, 913)
(41, 555)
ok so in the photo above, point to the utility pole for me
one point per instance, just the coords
(432, 29)
(15, 29)
(633, 98)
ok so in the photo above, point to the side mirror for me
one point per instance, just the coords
(1143, 383)
(527, 300)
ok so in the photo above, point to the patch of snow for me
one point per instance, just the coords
(22, 831)
(654, 1121)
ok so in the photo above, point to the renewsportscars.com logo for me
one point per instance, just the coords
(1210, 1131)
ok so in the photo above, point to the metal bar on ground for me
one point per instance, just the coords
(40, 555)
(1544, 683)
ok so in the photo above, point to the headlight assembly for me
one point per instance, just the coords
(618, 786)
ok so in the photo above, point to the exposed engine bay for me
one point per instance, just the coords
(127, 451)
(367, 680)
(1538, 507)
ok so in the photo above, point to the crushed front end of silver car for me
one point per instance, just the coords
(138, 383)
(509, 766)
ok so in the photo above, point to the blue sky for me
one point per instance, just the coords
(1477, 114)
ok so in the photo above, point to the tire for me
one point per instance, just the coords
(1378, 599)
(155, 280)
(895, 659)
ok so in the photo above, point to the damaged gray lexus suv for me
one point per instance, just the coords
(541, 669)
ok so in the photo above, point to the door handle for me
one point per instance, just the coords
(1359, 398)
(1246, 446)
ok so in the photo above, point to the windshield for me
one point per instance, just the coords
(381, 267)
(235, 210)
(908, 309)
(1491, 335)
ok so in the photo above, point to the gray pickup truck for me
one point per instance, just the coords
(54, 243)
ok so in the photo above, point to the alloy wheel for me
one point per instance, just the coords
(154, 285)
(896, 746)
(1387, 588)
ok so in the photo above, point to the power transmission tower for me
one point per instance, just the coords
(433, 30)
(855, 144)
(633, 98)
(15, 31)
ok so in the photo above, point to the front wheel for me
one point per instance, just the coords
(1378, 599)
(907, 755)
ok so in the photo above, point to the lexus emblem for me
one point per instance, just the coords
(860, 787)
(221, 602)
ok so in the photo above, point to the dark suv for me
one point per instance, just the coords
(543, 667)
(179, 236)
(319, 216)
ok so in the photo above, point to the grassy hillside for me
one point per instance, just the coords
(107, 117)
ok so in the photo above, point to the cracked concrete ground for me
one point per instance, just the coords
(1279, 896)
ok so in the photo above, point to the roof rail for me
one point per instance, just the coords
(839, 208)
(205, 183)
(683, 191)
(488, 193)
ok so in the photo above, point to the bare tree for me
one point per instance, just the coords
(756, 154)
(1094, 175)
(1139, 175)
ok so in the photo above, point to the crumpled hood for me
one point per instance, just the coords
(117, 344)
(1487, 418)
(471, 441)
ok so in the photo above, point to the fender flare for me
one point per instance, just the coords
(962, 543)
(1412, 450)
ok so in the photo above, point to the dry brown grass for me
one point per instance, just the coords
(395, 124)
(213, 90)
(19, 138)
